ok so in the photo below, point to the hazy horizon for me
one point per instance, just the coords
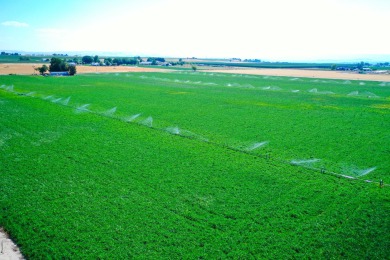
(366, 58)
(302, 30)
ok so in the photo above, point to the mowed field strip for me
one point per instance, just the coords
(194, 165)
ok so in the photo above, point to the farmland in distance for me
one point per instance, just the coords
(194, 165)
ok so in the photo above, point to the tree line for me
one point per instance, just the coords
(10, 54)
(69, 65)
(95, 60)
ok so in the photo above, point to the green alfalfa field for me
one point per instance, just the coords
(194, 165)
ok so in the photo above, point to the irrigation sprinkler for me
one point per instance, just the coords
(352, 173)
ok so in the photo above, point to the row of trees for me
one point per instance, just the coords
(123, 61)
(358, 66)
(61, 65)
(252, 60)
(180, 62)
(24, 58)
(156, 59)
(110, 61)
(90, 59)
(95, 60)
(383, 64)
(10, 54)
(57, 65)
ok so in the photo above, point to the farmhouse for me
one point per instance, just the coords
(59, 73)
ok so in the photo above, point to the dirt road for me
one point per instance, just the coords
(8, 250)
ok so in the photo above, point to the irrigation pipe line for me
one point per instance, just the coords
(321, 170)
(200, 138)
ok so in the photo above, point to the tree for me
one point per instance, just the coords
(117, 61)
(124, 61)
(193, 67)
(360, 65)
(75, 60)
(59, 65)
(56, 64)
(333, 67)
(72, 70)
(42, 69)
(108, 61)
(151, 59)
(87, 59)
(96, 58)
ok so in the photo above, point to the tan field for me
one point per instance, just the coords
(28, 69)
(307, 73)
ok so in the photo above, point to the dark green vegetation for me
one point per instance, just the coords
(85, 183)
(16, 59)
(60, 65)
(43, 69)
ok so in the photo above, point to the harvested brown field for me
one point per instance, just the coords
(28, 69)
(307, 73)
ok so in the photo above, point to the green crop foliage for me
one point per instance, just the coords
(343, 123)
(194, 165)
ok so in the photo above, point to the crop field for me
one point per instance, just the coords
(16, 59)
(195, 165)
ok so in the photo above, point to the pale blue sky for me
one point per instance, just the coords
(275, 30)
